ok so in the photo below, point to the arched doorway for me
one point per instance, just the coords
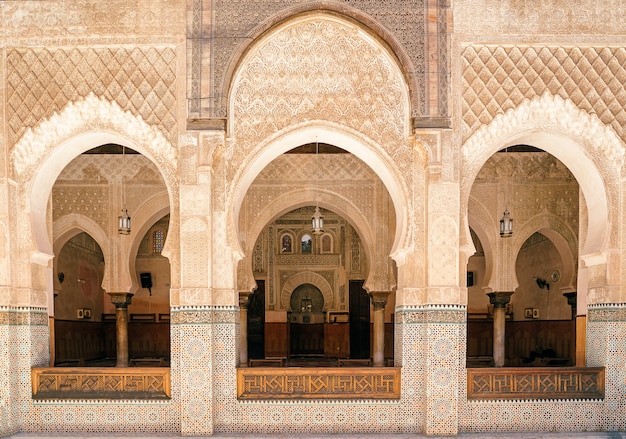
(518, 271)
(309, 295)
(88, 194)
(79, 304)
(306, 321)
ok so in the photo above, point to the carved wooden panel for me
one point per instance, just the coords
(319, 383)
(101, 383)
(535, 383)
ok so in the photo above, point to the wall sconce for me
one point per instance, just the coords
(542, 283)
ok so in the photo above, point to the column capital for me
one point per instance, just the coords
(379, 298)
(244, 297)
(121, 300)
(500, 299)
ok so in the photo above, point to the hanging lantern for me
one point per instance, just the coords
(506, 225)
(123, 223)
(317, 222)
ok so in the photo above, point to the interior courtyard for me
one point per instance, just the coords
(330, 217)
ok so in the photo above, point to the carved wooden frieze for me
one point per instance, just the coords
(101, 383)
(318, 383)
(535, 383)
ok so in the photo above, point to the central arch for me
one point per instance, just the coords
(326, 133)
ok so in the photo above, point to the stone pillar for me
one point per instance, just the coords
(379, 300)
(499, 301)
(571, 301)
(121, 302)
(243, 327)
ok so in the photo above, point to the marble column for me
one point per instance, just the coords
(379, 300)
(499, 300)
(121, 302)
(244, 297)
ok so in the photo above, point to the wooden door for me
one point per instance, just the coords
(359, 320)
(256, 321)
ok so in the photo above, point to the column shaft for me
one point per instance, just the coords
(121, 336)
(121, 302)
(379, 300)
(499, 301)
(499, 315)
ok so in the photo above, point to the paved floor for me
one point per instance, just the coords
(540, 435)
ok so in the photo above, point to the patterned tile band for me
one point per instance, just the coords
(318, 383)
(535, 383)
(101, 383)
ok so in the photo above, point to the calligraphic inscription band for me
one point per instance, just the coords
(101, 383)
(535, 383)
(318, 383)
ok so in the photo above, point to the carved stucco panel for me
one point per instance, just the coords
(496, 78)
(4, 256)
(79, 117)
(306, 71)
(443, 251)
(494, 17)
(84, 18)
(43, 81)
(195, 251)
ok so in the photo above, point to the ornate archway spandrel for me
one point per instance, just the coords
(87, 116)
(369, 96)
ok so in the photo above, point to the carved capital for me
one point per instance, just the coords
(244, 297)
(500, 299)
(379, 299)
(121, 300)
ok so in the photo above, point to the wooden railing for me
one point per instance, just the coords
(318, 383)
(101, 383)
(509, 383)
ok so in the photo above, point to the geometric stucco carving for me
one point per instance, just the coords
(88, 115)
(498, 78)
(408, 27)
(320, 68)
(42, 81)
